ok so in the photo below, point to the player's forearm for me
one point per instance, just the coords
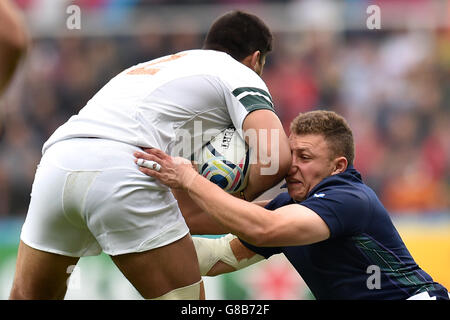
(247, 220)
(261, 203)
(244, 219)
(197, 220)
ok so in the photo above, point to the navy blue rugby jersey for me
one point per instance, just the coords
(365, 257)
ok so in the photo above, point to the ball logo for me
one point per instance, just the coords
(225, 161)
(227, 136)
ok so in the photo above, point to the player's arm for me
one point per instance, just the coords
(197, 220)
(223, 255)
(289, 225)
(261, 203)
(13, 41)
(266, 137)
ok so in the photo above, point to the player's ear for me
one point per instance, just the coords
(340, 165)
(255, 59)
(252, 61)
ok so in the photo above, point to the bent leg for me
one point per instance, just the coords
(159, 271)
(40, 275)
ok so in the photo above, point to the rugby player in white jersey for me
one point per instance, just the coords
(88, 195)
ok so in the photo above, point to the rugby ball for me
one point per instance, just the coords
(225, 161)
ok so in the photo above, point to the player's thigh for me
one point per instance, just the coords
(133, 213)
(40, 274)
(158, 271)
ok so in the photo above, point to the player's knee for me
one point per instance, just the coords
(16, 294)
(20, 292)
(24, 292)
(194, 291)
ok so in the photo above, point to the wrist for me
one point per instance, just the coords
(188, 179)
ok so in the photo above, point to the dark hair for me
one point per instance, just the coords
(332, 126)
(239, 34)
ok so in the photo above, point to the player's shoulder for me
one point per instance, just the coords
(187, 62)
(230, 71)
(210, 61)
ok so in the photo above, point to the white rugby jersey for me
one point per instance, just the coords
(170, 100)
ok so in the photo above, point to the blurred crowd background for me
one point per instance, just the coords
(392, 84)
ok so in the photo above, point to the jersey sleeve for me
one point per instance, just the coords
(346, 212)
(244, 92)
(266, 252)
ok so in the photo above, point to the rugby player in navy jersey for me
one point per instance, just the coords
(330, 225)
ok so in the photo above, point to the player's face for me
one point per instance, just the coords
(311, 163)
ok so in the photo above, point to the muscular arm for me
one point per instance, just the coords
(289, 225)
(197, 220)
(266, 137)
(13, 41)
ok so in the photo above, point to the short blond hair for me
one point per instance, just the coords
(332, 126)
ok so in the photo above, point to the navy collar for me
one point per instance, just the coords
(350, 170)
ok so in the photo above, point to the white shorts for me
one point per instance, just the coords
(88, 196)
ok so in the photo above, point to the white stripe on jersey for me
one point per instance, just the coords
(246, 93)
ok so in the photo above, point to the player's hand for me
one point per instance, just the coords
(174, 172)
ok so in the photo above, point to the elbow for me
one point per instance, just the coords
(16, 41)
(10, 56)
(20, 43)
(285, 166)
(260, 236)
(285, 161)
(280, 163)
(13, 49)
(17, 37)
